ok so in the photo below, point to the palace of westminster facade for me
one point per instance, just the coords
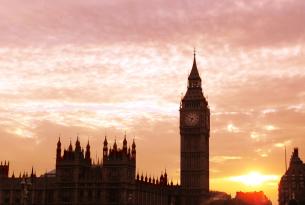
(77, 181)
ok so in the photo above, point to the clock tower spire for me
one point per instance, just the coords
(194, 76)
(194, 141)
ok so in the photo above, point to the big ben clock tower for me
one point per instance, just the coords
(194, 142)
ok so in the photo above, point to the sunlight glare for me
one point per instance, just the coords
(254, 179)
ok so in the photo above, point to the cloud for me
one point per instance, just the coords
(221, 159)
(96, 66)
(256, 136)
(232, 128)
(237, 22)
(282, 144)
(270, 128)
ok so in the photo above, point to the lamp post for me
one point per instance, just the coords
(25, 190)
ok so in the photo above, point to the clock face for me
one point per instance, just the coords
(191, 118)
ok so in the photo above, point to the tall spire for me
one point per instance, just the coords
(133, 147)
(105, 141)
(58, 150)
(133, 144)
(70, 146)
(105, 148)
(295, 159)
(32, 172)
(87, 155)
(58, 142)
(125, 144)
(77, 144)
(115, 147)
(194, 75)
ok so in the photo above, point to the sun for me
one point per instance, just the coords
(254, 179)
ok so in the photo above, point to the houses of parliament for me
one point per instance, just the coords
(76, 180)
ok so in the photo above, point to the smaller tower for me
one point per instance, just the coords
(161, 179)
(70, 149)
(115, 146)
(4, 169)
(33, 174)
(77, 145)
(125, 144)
(119, 169)
(105, 148)
(291, 186)
(295, 159)
(133, 149)
(58, 150)
(88, 154)
(165, 178)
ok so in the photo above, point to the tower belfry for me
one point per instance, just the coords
(194, 141)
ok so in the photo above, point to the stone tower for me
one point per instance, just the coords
(194, 141)
(292, 184)
(119, 173)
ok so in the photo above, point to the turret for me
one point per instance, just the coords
(105, 148)
(133, 149)
(33, 174)
(70, 149)
(138, 177)
(125, 144)
(4, 169)
(161, 179)
(295, 159)
(165, 178)
(145, 179)
(115, 146)
(77, 145)
(58, 150)
(87, 155)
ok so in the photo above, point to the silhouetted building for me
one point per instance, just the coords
(217, 195)
(76, 180)
(291, 186)
(194, 147)
(241, 198)
(252, 198)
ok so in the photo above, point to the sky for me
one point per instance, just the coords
(95, 67)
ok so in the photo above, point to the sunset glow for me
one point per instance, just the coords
(254, 179)
(98, 67)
